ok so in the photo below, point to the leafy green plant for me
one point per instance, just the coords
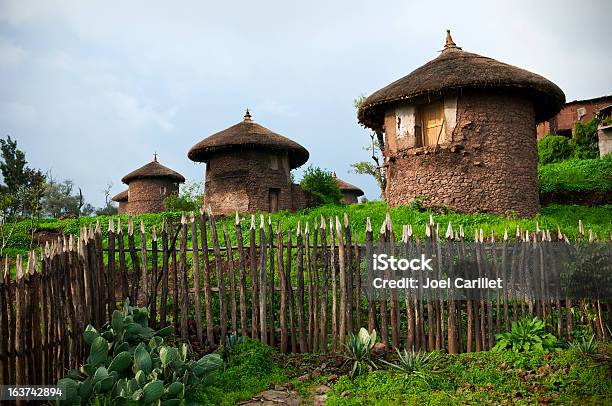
(526, 335)
(585, 346)
(359, 351)
(129, 361)
(413, 363)
(585, 140)
(230, 343)
(576, 176)
(554, 148)
(321, 184)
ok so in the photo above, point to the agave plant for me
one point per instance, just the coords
(526, 335)
(359, 351)
(412, 363)
(129, 361)
(585, 346)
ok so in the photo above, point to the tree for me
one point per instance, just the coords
(59, 200)
(13, 165)
(375, 168)
(321, 183)
(586, 140)
(191, 197)
(109, 208)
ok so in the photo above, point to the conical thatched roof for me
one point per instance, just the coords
(120, 197)
(347, 187)
(455, 69)
(153, 170)
(248, 135)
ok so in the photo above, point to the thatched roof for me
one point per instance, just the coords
(120, 197)
(455, 69)
(153, 170)
(248, 135)
(347, 187)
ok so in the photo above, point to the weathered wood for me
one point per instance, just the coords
(184, 295)
(154, 278)
(232, 280)
(369, 251)
(309, 286)
(220, 277)
(110, 281)
(122, 265)
(315, 289)
(343, 281)
(324, 285)
(254, 281)
(271, 288)
(348, 274)
(196, 278)
(384, 321)
(4, 327)
(263, 317)
(334, 309)
(300, 290)
(290, 296)
(283, 289)
(210, 337)
(135, 263)
(242, 268)
(164, 291)
(144, 276)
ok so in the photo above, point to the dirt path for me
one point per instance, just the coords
(281, 395)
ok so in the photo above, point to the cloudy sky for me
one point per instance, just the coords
(90, 89)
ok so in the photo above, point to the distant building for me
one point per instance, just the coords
(122, 199)
(350, 193)
(604, 131)
(459, 131)
(149, 185)
(248, 169)
(578, 110)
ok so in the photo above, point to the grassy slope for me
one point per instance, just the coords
(566, 216)
(577, 176)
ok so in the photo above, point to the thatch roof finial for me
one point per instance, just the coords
(247, 115)
(155, 156)
(449, 43)
(334, 174)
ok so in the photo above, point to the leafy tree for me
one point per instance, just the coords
(13, 165)
(59, 200)
(586, 140)
(554, 148)
(191, 197)
(321, 184)
(374, 167)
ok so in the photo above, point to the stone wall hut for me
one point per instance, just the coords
(460, 130)
(149, 185)
(122, 199)
(350, 193)
(248, 169)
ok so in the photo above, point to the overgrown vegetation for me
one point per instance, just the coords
(190, 197)
(359, 351)
(577, 176)
(583, 144)
(526, 335)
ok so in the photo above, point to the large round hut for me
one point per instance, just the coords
(460, 131)
(248, 169)
(149, 185)
(122, 199)
(350, 193)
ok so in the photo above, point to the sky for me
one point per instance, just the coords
(91, 89)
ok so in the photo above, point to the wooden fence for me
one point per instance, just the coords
(300, 290)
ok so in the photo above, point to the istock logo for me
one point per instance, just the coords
(384, 262)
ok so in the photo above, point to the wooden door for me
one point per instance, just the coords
(432, 117)
(273, 200)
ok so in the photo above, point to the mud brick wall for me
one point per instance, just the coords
(241, 181)
(147, 195)
(123, 207)
(488, 165)
(349, 197)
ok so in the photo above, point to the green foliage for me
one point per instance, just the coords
(62, 199)
(585, 140)
(413, 363)
(321, 184)
(526, 335)
(359, 351)
(584, 346)
(130, 362)
(577, 176)
(251, 369)
(554, 148)
(190, 198)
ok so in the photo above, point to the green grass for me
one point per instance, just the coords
(574, 176)
(565, 216)
(563, 377)
(251, 369)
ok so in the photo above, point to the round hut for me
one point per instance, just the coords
(350, 193)
(149, 185)
(248, 169)
(122, 199)
(460, 131)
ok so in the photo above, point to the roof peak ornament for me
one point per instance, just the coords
(155, 156)
(247, 115)
(449, 43)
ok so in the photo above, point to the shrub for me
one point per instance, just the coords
(129, 361)
(576, 176)
(585, 140)
(584, 346)
(413, 363)
(526, 335)
(190, 198)
(554, 148)
(321, 184)
(359, 351)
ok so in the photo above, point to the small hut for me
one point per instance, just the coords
(350, 193)
(149, 185)
(460, 130)
(248, 169)
(122, 199)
